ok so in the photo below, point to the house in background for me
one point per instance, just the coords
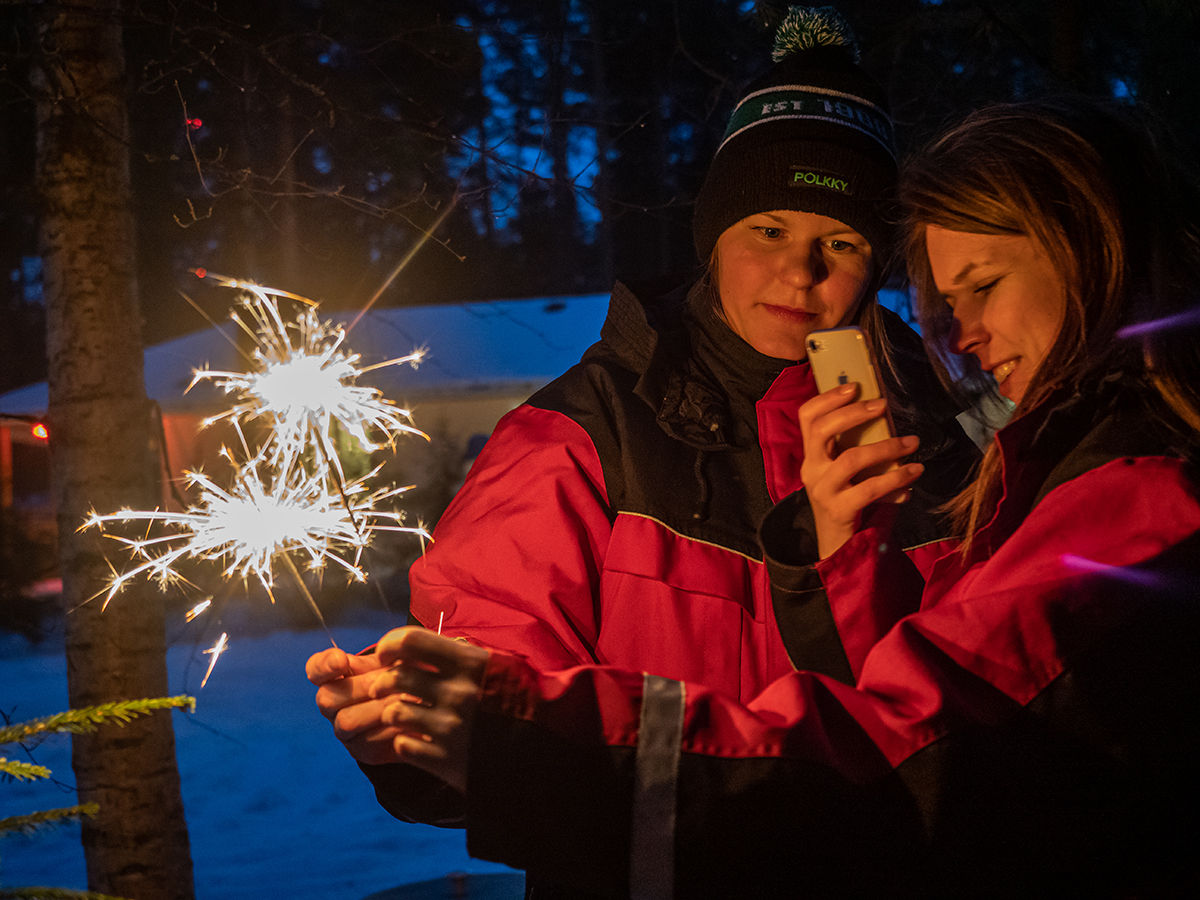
(28, 533)
(482, 359)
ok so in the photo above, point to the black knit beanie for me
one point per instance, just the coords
(813, 135)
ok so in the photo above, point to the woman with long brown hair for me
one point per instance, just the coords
(1120, 228)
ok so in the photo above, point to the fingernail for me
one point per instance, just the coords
(876, 405)
(848, 388)
(909, 441)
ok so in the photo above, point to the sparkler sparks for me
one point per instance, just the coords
(303, 379)
(247, 527)
(214, 653)
(198, 609)
(288, 495)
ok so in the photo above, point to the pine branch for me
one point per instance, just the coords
(88, 719)
(22, 771)
(27, 824)
(74, 721)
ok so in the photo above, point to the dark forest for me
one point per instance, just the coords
(311, 144)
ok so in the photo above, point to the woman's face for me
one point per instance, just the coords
(783, 274)
(1008, 301)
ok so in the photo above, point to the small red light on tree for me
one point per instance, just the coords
(194, 124)
(40, 432)
(200, 271)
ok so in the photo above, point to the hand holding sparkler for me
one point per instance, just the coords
(429, 688)
(411, 701)
(344, 696)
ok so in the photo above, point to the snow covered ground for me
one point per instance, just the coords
(274, 805)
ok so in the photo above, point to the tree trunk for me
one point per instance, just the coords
(102, 449)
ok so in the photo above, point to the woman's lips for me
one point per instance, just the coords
(790, 313)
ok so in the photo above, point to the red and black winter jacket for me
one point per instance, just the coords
(1025, 725)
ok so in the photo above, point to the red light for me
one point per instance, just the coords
(194, 124)
(40, 432)
(200, 271)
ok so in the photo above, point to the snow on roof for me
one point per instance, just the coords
(25, 401)
(486, 346)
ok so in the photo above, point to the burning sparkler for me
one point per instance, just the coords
(303, 379)
(255, 523)
(288, 495)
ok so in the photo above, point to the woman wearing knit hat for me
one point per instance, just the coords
(613, 519)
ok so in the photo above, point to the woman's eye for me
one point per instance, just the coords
(986, 288)
(769, 231)
(839, 246)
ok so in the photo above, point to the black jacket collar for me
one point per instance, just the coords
(700, 378)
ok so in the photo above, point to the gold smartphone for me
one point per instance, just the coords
(840, 356)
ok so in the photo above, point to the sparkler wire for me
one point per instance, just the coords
(405, 260)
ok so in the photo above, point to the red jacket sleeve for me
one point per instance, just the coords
(516, 558)
(872, 583)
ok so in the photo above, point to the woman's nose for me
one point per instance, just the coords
(967, 333)
(801, 268)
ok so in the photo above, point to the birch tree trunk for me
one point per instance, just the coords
(102, 448)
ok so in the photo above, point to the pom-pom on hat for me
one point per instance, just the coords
(813, 135)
